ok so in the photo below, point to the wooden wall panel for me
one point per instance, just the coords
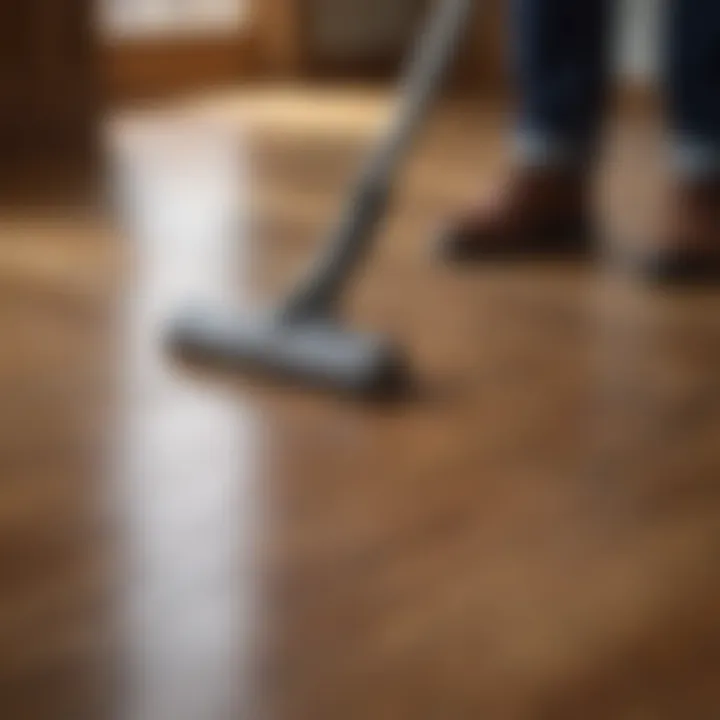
(159, 67)
(284, 41)
(280, 38)
(49, 95)
(276, 44)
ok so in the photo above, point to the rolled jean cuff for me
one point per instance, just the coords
(538, 148)
(696, 158)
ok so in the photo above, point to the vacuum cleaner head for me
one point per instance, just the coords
(321, 354)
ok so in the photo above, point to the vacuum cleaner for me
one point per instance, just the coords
(303, 339)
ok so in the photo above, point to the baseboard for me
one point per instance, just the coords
(142, 69)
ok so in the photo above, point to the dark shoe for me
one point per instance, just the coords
(540, 212)
(689, 251)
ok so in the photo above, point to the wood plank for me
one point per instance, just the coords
(535, 536)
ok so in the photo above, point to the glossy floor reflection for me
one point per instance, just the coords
(533, 537)
(187, 469)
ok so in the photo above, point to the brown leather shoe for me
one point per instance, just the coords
(539, 212)
(689, 250)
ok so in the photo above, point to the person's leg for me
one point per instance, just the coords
(690, 248)
(693, 85)
(560, 54)
(561, 61)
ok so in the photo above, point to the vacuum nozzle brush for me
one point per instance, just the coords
(322, 354)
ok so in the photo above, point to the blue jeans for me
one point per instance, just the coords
(562, 63)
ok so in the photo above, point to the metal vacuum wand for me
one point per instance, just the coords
(320, 291)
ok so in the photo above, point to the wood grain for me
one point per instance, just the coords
(48, 81)
(535, 536)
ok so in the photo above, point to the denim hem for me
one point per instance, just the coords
(532, 147)
(696, 158)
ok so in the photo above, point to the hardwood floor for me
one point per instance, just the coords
(535, 536)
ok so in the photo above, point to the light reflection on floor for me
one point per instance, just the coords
(187, 468)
